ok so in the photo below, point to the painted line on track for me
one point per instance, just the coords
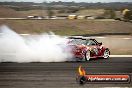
(110, 55)
(126, 38)
(120, 55)
(100, 37)
(24, 34)
(114, 87)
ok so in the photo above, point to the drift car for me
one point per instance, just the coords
(85, 49)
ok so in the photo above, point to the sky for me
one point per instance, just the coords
(69, 0)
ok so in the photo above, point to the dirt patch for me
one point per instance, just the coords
(68, 27)
(6, 12)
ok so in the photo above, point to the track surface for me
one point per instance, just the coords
(61, 74)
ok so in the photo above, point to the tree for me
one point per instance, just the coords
(109, 14)
(128, 15)
(50, 12)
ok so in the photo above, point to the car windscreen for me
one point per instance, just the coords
(91, 42)
(78, 41)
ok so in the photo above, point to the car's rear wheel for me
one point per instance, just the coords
(106, 53)
(87, 56)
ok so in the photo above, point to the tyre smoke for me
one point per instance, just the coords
(32, 48)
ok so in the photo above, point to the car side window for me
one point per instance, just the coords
(91, 42)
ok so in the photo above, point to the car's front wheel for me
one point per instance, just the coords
(87, 56)
(106, 53)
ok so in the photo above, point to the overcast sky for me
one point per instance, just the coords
(70, 0)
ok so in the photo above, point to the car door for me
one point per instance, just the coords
(93, 47)
(99, 47)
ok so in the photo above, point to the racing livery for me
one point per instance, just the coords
(85, 49)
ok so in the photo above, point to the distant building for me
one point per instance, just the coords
(30, 16)
(72, 17)
(34, 17)
(81, 17)
(90, 17)
(62, 17)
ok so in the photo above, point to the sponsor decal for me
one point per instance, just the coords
(82, 77)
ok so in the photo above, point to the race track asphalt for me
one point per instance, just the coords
(61, 74)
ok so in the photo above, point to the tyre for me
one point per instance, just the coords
(82, 80)
(106, 53)
(87, 56)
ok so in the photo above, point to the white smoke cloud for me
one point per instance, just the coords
(39, 48)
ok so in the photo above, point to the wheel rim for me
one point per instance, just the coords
(88, 55)
(106, 53)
